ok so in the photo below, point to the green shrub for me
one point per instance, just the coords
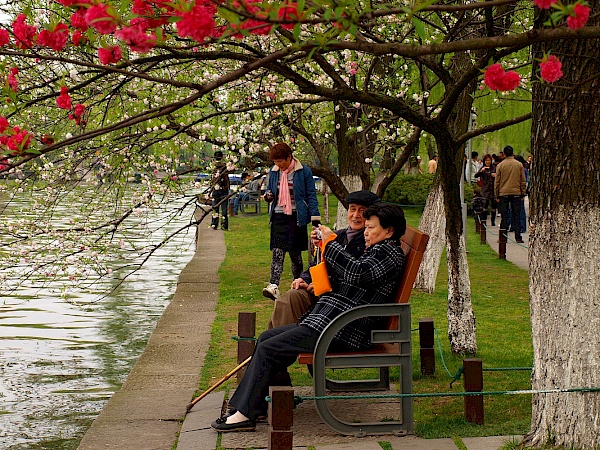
(409, 189)
(414, 189)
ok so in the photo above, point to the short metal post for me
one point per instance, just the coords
(246, 331)
(427, 342)
(281, 418)
(502, 244)
(473, 373)
(482, 234)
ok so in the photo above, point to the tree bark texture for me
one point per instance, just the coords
(564, 249)
(433, 223)
(352, 183)
(461, 320)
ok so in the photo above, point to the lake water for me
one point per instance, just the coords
(61, 361)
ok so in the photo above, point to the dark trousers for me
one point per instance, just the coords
(514, 201)
(217, 197)
(275, 351)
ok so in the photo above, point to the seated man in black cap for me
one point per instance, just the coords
(292, 305)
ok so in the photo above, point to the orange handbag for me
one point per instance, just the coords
(320, 279)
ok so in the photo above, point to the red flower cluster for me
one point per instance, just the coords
(579, 17)
(12, 79)
(77, 114)
(498, 80)
(287, 11)
(544, 4)
(197, 23)
(55, 39)
(4, 37)
(64, 99)
(24, 34)
(137, 40)
(78, 20)
(551, 69)
(110, 55)
(100, 18)
(14, 138)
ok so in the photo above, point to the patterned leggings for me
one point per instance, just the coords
(277, 264)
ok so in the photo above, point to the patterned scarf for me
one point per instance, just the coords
(284, 190)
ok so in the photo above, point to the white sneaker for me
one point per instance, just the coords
(271, 291)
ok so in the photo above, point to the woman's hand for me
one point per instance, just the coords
(326, 232)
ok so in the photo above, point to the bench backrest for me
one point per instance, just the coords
(413, 244)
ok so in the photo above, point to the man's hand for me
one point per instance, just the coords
(299, 283)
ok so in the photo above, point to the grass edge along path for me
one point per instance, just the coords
(501, 306)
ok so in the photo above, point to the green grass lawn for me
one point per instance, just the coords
(500, 303)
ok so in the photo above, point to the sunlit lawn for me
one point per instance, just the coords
(500, 302)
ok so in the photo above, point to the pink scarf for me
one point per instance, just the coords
(284, 190)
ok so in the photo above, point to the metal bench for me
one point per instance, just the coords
(391, 347)
(250, 203)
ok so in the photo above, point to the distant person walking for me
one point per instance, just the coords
(293, 197)
(220, 181)
(487, 174)
(432, 165)
(510, 188)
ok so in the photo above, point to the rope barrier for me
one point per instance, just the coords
(498, 369)
(237, 338)
(508, 238)
(300, 399)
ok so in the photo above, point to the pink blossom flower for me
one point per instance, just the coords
(78, 19)
(109, 55)
(79, 109)
(78, 37)
(3, 124)
(142, 8)
(551, 69)
(12, 79)
(498, 80)
(4, 37)
(55, 39)
(137, 40)
(544, 4)
(198, 23)
(578, 17)
(64, 99)
(101, 18)
(288, 12)
(24, 33)
(67, 3)
(19, 141)
(511, 81)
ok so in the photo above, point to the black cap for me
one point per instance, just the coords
(363, 198)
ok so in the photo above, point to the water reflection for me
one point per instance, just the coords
(60, 362)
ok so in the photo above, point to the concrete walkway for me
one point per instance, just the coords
(148, 411)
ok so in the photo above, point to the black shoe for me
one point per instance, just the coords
(222, 426)
(519, 241)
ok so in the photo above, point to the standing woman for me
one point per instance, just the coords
(291, 192)
(487, 173)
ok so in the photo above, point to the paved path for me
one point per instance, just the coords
(517, 254)
(147, 411)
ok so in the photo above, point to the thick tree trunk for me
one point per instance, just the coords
(564, 250)
(461, 320)
(352, 183)
(433, 223)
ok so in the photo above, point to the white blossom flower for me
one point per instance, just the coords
(368, 160)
